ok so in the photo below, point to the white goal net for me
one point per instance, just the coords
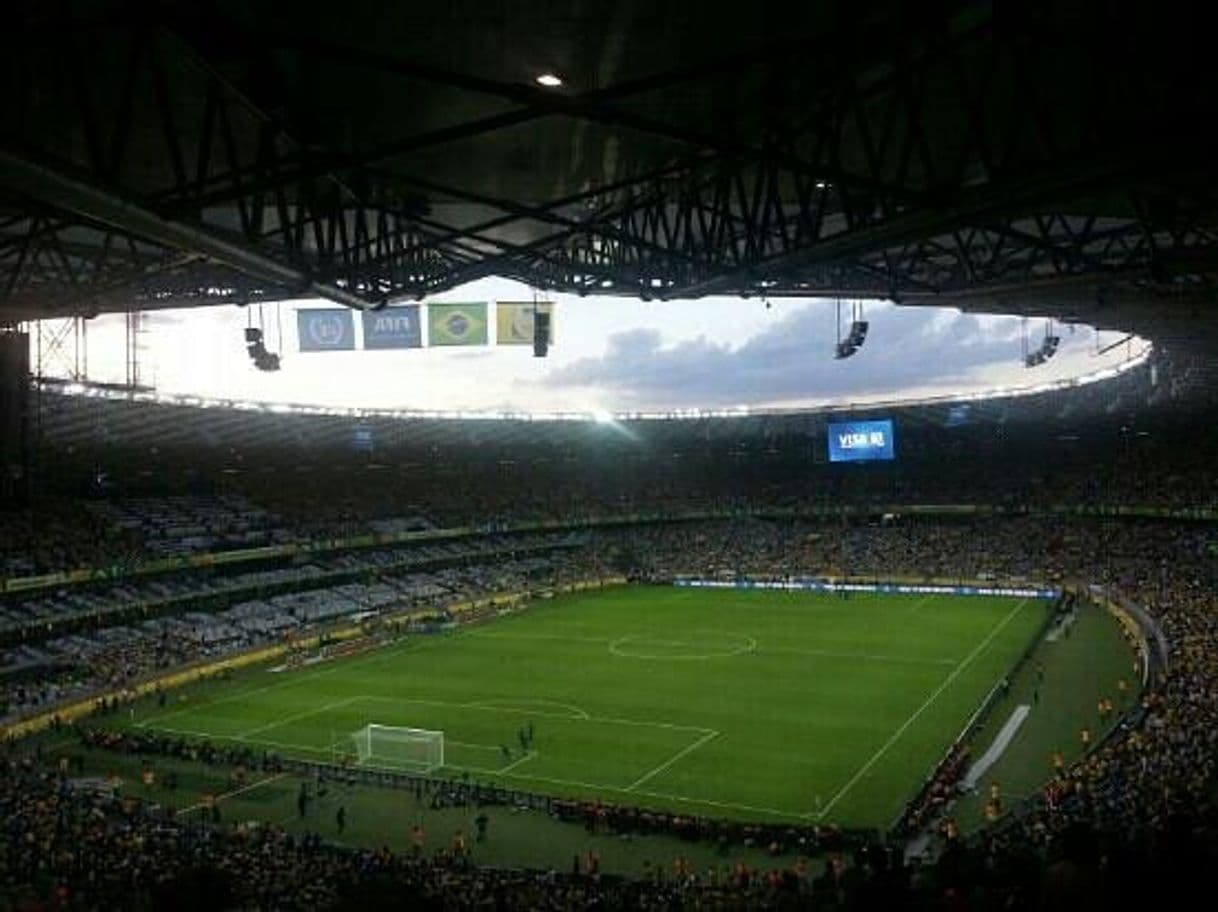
(414, 749)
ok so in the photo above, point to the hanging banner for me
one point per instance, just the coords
(331, 329)
(456, 324)
(393, 327)
(514, 321)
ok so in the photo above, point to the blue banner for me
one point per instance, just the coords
(393, 327)
(331, 329)
(860, 441)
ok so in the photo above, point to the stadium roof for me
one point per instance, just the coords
(1047, 158)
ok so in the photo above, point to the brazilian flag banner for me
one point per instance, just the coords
(514, 321)
(456, 324)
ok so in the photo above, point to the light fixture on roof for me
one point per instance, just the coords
(1048, 347)
(855, 336)
(549, 80)
(263, 359)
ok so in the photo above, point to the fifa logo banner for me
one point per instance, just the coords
(393, 327)
(514, 321)
(326, 330)
(456, 324)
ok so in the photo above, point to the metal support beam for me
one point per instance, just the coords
(86, 200)
(909, 155)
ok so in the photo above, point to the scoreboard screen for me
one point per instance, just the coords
(861, 441)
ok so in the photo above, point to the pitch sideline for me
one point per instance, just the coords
(875, 758)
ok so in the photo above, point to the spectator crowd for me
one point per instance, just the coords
(1131, 820)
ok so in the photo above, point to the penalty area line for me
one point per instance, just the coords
(317, 710)
(235, 792)
(688, 749)
(515, 763)
(884, 748)
(302, 677)
(260, 742)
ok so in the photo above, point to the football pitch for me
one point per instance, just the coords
(733, 703)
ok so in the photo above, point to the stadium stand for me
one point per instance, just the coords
(113, 656)
(1112, 508)
(1047, 161)
(1110, 819)
(1128, 792)
(112, 589)
(182, 525)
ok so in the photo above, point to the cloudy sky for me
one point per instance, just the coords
(609, 355)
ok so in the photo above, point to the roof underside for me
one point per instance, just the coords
(1048, 159)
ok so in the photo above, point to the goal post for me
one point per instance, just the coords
(416, 750)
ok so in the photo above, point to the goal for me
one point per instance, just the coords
(414, 749)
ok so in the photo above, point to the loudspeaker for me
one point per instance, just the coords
(14, 416)
(541, 333)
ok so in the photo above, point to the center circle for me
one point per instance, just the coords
(685, 647)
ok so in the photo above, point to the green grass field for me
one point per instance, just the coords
(758, 705)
